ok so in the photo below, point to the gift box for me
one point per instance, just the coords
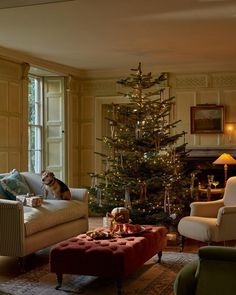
(35, 201)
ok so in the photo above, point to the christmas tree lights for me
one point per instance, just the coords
(143, 163)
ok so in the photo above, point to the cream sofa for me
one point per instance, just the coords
(24, 229)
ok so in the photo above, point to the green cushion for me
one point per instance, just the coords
(2, 193)
(14, 184)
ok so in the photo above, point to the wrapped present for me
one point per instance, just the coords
(35, 201)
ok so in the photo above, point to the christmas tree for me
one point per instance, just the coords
(143, 162)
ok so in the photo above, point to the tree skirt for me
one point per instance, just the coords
(152, 278)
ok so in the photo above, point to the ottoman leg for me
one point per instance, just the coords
(119, 286)
(182, 243)
(59, 280)
(159, 257)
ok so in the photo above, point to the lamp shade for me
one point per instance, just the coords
(225, 159)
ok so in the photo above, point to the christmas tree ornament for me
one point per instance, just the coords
(99, 196)
(127, 198)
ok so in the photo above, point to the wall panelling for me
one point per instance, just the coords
(13, 119)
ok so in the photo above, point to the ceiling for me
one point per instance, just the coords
(112, 35)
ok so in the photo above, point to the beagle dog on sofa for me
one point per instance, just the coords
(58, 188)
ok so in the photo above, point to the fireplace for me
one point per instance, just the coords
(201, 161)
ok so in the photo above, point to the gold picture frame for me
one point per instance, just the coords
(207, 119)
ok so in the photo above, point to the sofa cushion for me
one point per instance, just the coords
(52, 213)
(2, 192)
(35, 184)
(14, 184)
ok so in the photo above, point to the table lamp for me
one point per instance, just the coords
(225, 159)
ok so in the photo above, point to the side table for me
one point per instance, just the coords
(210, 192)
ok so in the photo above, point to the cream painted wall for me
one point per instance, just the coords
(90, 92)
(13, 115)
(72, 130)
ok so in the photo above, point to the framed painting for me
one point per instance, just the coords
(207, 118)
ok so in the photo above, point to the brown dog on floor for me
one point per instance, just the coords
(58, 188)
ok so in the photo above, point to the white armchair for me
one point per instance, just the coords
(212, 221)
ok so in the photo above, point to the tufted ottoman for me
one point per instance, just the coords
(113, 258)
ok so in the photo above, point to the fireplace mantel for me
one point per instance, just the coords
(209, 152)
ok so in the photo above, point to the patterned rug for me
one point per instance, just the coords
(152, 278)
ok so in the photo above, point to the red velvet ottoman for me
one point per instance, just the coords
(113, 258)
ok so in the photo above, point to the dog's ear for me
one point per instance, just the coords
(49, 173)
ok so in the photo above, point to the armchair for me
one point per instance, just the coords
(212, 221)
(212, 274)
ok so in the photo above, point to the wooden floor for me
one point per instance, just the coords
(9, 267)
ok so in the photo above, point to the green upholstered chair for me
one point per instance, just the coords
(214, 273)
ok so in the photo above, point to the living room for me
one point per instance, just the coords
(80, 50)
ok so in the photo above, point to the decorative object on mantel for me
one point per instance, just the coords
(225, 159)
(210, 153)
(207, 118)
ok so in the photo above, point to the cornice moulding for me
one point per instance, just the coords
(113, 74)
(20, 57)
(155, 69)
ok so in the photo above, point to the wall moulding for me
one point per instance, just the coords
(72, 84)
(108, 87)
(10, 70)
(99, 88)
(192, 81)
(214, 80)
(19, 57)
(224, 80)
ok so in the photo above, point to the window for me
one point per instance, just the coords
(35, 127)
